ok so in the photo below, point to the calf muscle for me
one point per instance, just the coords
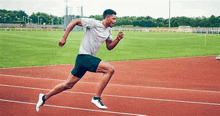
(107, 71)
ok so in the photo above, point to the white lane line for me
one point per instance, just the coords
(33, 37)
(128, 97)
(72, 108)
(120, 85)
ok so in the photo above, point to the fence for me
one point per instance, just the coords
(152, 29)
(208, 30)
(29, 29)
(7, 25)
(33, 27)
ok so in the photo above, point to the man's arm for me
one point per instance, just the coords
(111, 44)
(68, 29)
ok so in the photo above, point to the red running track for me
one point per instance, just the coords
(160, 87)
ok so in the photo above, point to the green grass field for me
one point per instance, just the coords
(37, 48)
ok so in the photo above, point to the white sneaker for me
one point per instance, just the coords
(41, 101)
(98, 102)
(218, 57)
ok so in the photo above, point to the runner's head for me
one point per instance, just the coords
(109, 16)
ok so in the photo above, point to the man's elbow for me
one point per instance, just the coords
(78, 22)
(109, 48)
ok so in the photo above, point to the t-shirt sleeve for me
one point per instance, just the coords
(88, 22)
(110, 35)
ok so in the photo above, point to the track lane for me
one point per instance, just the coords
(200, 73)
(116, 104)
(196, 78)
(133, 91)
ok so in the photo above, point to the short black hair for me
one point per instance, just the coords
(108, 12)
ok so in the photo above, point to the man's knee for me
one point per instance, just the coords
(70, 82)
(111, 70)
(105, 67)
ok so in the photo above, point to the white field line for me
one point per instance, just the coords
(120, 85)
(186, 37)
(36, 37)
(128, 97)
(25, 36)
(72, 108)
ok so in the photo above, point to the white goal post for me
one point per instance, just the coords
(185, 29)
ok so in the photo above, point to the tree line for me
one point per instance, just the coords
(148, 21)
(21, 17)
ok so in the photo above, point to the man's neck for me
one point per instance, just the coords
(104, 22)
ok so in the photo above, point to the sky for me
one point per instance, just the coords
(153, 8)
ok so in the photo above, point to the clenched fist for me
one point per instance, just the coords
(62, 42)
(120, 35)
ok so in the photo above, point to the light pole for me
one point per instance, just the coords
(81, 11)
(169, 15)
(65, 17)
(66, 7)
(38, 20)
(58, 20)
(25, 18)
(52, 21)
(28, 19)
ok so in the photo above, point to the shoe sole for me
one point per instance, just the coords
(39, 98)
(97, 106)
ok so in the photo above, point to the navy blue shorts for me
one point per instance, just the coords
(85, 63)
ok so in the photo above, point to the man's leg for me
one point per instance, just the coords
(107, 71)
(68, 84)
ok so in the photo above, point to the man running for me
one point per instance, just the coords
(96, 33)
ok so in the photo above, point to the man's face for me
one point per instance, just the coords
(111, 20)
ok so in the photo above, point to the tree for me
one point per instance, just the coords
(142, 21)
(195, 22)
(183, 21)
(34, 18)
(97, 17)
(159, 22)
(136, 23)
(218, 21)
(213, 21)
(204, 22)
(174, 22)
(166, 22)
(7, 18)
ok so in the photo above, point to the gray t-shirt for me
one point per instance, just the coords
(96, 33)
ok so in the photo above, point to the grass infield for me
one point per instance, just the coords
(37, 48)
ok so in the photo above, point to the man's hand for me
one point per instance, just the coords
(120, 35)
(62, 42)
